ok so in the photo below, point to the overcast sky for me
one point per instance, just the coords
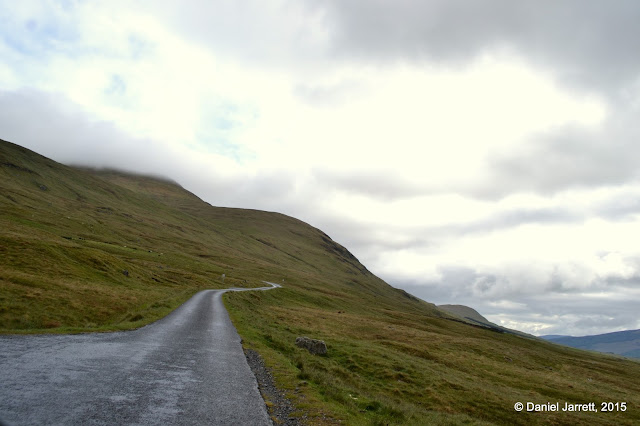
(471, 152)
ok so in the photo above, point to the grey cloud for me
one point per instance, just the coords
(421, 237)
(620, 208)
(569, 158)
(514, 218)
(587, 43)
(458, 285)
(623, 211)
(379, 184)
(268, 34)
(617, 282)
(602, 321)
(465, 282)
(417, 30)
(370, 242)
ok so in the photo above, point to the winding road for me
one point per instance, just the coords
(185, 369)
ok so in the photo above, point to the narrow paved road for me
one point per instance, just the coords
(186, 369)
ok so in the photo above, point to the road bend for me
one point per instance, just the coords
(185, 369)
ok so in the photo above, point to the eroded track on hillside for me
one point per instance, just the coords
(187, 368)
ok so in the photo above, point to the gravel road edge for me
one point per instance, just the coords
(279, 407)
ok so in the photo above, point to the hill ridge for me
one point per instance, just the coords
(625, 343)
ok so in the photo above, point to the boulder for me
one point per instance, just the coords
(316, 347)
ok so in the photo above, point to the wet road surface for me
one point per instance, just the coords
(185, 369)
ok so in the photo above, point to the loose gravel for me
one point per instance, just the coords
(281, 408)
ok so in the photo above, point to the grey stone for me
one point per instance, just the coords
(316, 347)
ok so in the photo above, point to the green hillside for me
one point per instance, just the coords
(84, 250)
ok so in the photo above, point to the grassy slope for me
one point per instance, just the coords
(67, 235)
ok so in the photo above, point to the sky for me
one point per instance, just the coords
(480, 153)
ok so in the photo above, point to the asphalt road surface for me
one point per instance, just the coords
(185, 369)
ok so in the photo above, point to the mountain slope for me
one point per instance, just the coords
(132, 239)
(626, 343)
(99, 250)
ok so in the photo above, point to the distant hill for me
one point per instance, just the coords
(472, 316)
(467, 313)
(553, 336)
(625, 343)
